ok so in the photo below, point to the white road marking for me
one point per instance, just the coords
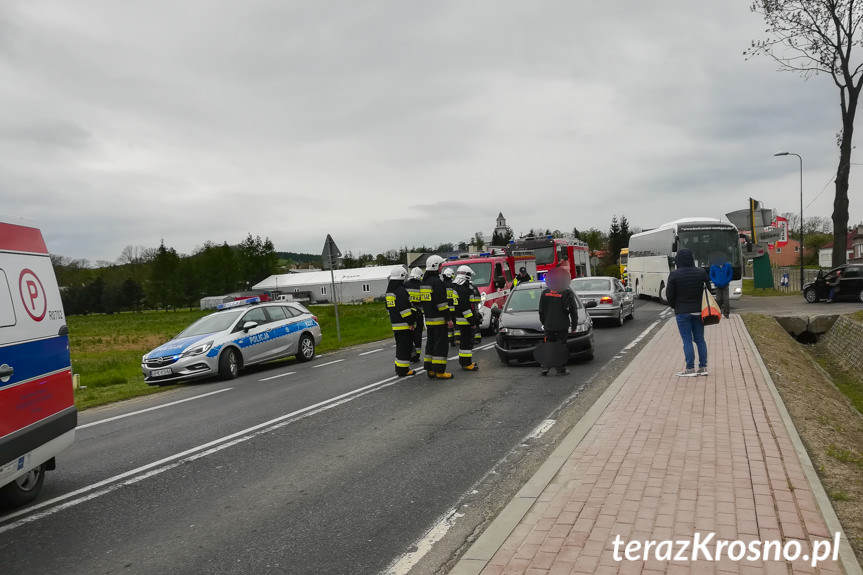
(541, 429)
(116, 417)
(641, 336)
(278, 376)
(132, 476)
(328, 363)
(372, 351)
(406, 562)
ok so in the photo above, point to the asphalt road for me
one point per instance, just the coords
(329, 467)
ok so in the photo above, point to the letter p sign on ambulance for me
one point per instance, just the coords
(32, 295)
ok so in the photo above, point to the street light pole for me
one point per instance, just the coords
(801, 210)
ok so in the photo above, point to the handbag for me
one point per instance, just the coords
(710, 313)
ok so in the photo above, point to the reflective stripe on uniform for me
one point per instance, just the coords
(435, 321)
(400, 326)
(402, 363)
(443, 305)
(465, 354)
(439, 360)
(406, 312)
(462, 321)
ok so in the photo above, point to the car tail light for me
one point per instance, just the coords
(606, 299)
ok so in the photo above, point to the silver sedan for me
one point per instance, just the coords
(613, 301)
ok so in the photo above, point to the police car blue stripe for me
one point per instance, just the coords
(33, 359)
(281, 331)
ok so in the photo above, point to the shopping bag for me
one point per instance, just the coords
(710, 313)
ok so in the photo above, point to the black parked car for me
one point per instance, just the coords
(520, 330)
(850, 284)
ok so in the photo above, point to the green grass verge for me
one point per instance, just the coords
(857, 316)
(107, 349)
(749, 289)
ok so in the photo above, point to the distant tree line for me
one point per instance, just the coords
(160, 278)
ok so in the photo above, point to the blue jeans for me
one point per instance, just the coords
(691, 329)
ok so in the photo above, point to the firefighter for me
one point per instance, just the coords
(465, 318)
(412, 285)
(437, 318)
(476, 306)
(447, 276)
(522, 276)
(402, 320)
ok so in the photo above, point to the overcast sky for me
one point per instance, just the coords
(394, 122)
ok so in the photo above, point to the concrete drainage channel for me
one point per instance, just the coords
(807, 329)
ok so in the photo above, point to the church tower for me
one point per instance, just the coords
(501, 228)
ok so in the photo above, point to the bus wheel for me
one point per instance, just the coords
(24, 489)
(662, 299)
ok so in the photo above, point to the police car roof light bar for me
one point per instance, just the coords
(239, 302)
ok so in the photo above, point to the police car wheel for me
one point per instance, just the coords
(229, 364)
(24, 489)
(306, 348)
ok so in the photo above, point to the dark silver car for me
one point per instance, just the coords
(520, 330)
(613, 301)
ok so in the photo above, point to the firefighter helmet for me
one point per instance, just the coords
(465, 270)
(433, 263)
(416, 274)
(447, 272)
(398, 273)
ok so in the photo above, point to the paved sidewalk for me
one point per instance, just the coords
(666, 458)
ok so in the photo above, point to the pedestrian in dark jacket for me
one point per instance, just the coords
(684, 293)
(558, 312)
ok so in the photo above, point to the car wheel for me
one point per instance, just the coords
(306, 348)
(860, 296)
(229, 364)
(24, 489)
(812, 297)
(620, 320)
(662, 299)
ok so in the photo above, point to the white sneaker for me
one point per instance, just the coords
(687, 373)
(702, 371)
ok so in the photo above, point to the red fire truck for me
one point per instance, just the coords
(493, 272)
(569, 253)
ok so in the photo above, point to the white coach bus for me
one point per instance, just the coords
(651, 253)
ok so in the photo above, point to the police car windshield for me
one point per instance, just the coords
(211, 324)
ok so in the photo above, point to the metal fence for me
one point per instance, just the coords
(793, 276)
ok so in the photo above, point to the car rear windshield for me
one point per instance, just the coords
(591, 284)
(211, 324)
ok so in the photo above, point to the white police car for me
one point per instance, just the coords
(242, 333)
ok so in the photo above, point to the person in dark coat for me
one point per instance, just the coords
(684, 293)
(558, 312)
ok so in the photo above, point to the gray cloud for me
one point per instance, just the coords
(391, 122)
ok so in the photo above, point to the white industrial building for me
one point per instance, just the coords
(352, 286)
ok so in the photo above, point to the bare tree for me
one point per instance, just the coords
(814, 37)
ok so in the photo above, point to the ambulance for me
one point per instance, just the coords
(37, 408)
(493, 273)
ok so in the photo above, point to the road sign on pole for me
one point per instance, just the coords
(330, 257)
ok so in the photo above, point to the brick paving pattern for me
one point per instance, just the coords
(671, 458)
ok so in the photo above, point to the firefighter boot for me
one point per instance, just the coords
(443, 375)
(471, 367)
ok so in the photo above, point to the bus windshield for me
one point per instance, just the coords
(708, 245)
